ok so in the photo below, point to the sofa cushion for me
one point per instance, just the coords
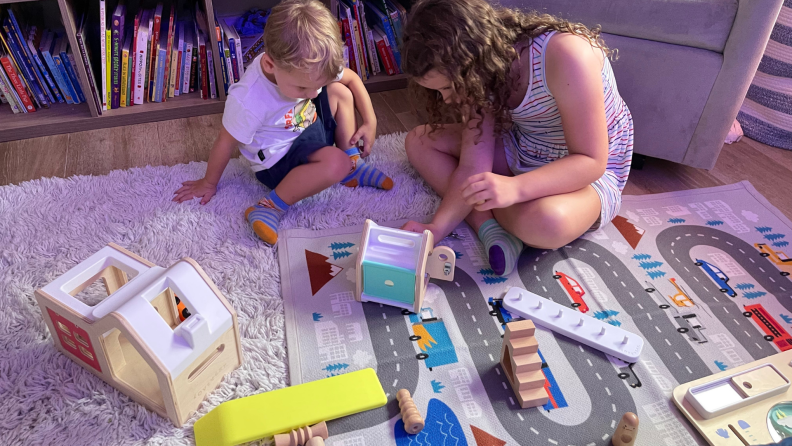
(702, 24)
(649, 75)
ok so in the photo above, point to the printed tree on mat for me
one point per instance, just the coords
(641, 257)
(317, 316)
(714, 223)
(341, 254)
(486, 272)
(763, 229)
(604, 314)
(493, 280)
(336, 245)
(721, 365)
(614, 322)
(744, 286)
(676, 221)
(458, 254)
(651, 265)
(437, 386)
(335, 368)
(774, 237)
(656, 273)
(786, 318)
(781, 244)
(754, 294)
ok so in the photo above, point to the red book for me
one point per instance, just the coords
(133, 56)
(166, 78)
(386, 61)
(350, 47)
(204, 72)
(17, 83)
(154, 50)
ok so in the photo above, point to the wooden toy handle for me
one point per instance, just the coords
(441, 263)
(413, 421)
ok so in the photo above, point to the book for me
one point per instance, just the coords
(233, 37)
(188, 50)
(33, 41)
(177, 79)
(387, 49)
(103, 49)
(382, 49)
(202, 61)
(132, 55)
(347, 36)
(141, 56)
(354, 56)
(58, 56)
(10, 93)
(194, 65)
(86, 59)
(21, 66)
(221, 44)
(117, 41)
(16, 82)
(230, 64)
(374, 60)
(159, 64)
(384, 21)
(109, 67)
(154, 50)
(36, 79)
(360, 35)
(45, 47)
(125, 69)
(168, 51)
(172, 66)
(71, 63)
(210, 67)
(396, 20)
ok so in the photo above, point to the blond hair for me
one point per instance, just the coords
(303, 35)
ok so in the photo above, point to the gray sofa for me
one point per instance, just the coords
(684, 66)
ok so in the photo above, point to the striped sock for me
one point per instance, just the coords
(364, 174)
(502, 247)
(265, 217)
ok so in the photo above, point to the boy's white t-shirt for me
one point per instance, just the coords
(265, 121)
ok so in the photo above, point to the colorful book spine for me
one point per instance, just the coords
(16, 82)
(382, 48)
(155, 40)
(386, 26)
(61, 67)
(124, 74)
(103, 49)
(194, 65)
(141, 53)
(210, 67)
(168, 50)
(87, 63)
(109, 67)
(132, 55)
(202, 61)
(240, 62)
(348, 40)
(174, 64)
(10, 94)
(179, 62)
(46, 54)
(234, 64)
(53, 92)
(36, 77)
(360, 37)
(70, 68)
(188, 46)
(219, 37)
(22, 67)
(115, 58)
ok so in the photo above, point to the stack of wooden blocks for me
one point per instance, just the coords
(522, 365)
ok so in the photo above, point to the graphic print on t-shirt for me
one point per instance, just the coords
(300, 121)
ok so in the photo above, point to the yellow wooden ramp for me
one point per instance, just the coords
(266, 414)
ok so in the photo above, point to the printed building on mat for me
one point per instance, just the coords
(136, 339)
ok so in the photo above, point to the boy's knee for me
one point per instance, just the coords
(339, 95)
(339, 165)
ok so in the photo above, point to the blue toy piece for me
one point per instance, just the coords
(394, 266)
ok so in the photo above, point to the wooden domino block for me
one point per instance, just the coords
(522, 364)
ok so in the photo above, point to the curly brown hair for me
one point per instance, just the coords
(472, 43)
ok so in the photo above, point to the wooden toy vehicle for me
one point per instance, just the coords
(135, 339)
(394, 266)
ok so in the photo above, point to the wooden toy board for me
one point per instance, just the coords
(448, 355)
(751, 422)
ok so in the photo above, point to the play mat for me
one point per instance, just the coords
(701, 275)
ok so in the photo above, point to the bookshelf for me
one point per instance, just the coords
(64, 118)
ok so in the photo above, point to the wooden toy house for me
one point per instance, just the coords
(394, 266)
(136, 339)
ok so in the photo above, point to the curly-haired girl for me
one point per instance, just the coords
(539, 145)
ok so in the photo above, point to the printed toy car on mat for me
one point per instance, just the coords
(717, 276)
(690, 324)
(575, 291)
(773, 330)
(681, 298)
(781, 260)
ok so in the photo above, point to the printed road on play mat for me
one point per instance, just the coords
(701, 275)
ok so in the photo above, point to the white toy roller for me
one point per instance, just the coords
(137, 339)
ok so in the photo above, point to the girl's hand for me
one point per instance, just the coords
(367, 132)
(201, 188)
(414, 226)
(485, 191)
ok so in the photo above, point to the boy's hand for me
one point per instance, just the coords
(485, 191)
(367, 132)
(190, 189)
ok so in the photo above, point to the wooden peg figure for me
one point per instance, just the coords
(626, 431)
(413, 421)
(304, 436)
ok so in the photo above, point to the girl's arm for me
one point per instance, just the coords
(206, 187)
(573, 72)
(474, 158)
(368, 130)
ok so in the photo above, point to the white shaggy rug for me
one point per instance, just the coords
(49, 225)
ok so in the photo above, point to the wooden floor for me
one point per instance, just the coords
(97, 152)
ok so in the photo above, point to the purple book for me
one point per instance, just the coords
(117, 36)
